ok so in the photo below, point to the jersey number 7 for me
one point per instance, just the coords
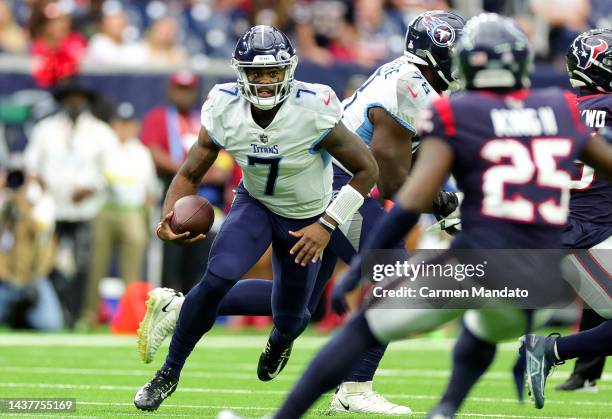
(272, 174)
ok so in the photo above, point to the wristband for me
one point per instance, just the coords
(327, 225)
(346, 203)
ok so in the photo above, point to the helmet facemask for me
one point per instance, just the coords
(281, 89)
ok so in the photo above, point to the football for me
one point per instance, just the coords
(192, 213)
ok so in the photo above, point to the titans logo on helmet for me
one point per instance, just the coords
(586, 53)
(440, 32)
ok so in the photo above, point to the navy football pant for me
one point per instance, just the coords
(243, 238)
(252, 297)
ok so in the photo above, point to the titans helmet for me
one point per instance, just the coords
(493, 53)
(589, 60)
(264, 46)
(430, 38)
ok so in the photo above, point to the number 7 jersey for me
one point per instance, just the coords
(513, 155)
(283, 165)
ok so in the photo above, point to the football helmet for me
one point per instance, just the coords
(589, 60)
(264, 46)
(493, 53)
(430, 38)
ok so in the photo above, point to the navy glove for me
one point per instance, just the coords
(445, 204)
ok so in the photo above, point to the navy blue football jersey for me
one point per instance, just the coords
(513, 155)
(591, 199)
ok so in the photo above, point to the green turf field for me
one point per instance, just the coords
(103, 372)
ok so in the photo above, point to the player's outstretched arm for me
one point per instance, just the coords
(352, 153)
(597, 153)
(415, 196)
(201, 156)
(418, 193)
(392, 148)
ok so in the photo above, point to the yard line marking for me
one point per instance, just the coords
(234, 342)
(272, 409)
(274, 392)
(495, 375)
(55, 414)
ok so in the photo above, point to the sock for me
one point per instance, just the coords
(287, 329)
(329, 367)
(593, 342)
(249, 297)
(471, 358)
(197, 316)
(367, 365)
(391, 228)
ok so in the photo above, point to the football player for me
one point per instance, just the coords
(382, 112)
(589, 64)
(282, 133)
(590, 222)
(493, 58)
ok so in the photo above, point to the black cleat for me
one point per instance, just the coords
(152, 394)
(272, 360)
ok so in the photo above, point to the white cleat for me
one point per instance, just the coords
(354, 397)
(163, 307)
(228, 414)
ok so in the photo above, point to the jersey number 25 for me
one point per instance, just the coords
(517, 164)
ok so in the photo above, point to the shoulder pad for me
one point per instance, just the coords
(320, 99)
(213, 109)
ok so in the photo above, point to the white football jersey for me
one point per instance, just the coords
(399, 88)
(282, 165)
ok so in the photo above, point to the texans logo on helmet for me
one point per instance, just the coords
(440, 32)
(587, 54)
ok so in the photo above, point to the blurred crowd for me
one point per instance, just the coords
(64, 33)
(79, 203)
(79, 198)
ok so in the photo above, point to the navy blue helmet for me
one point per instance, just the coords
(430, 38)
(264, 46)
(589, 60)
(493, 53)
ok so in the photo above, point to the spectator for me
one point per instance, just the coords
(122, 223)
(601, 14)
(58, 48)
(64, 154)
(323, 28)
(169, 131)
(215, 26)
(564, 19)
(380, 33)
(12, 38)
(271, 12)
(109, 46)
(27, 297)
(161, 44)
(51, 31)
